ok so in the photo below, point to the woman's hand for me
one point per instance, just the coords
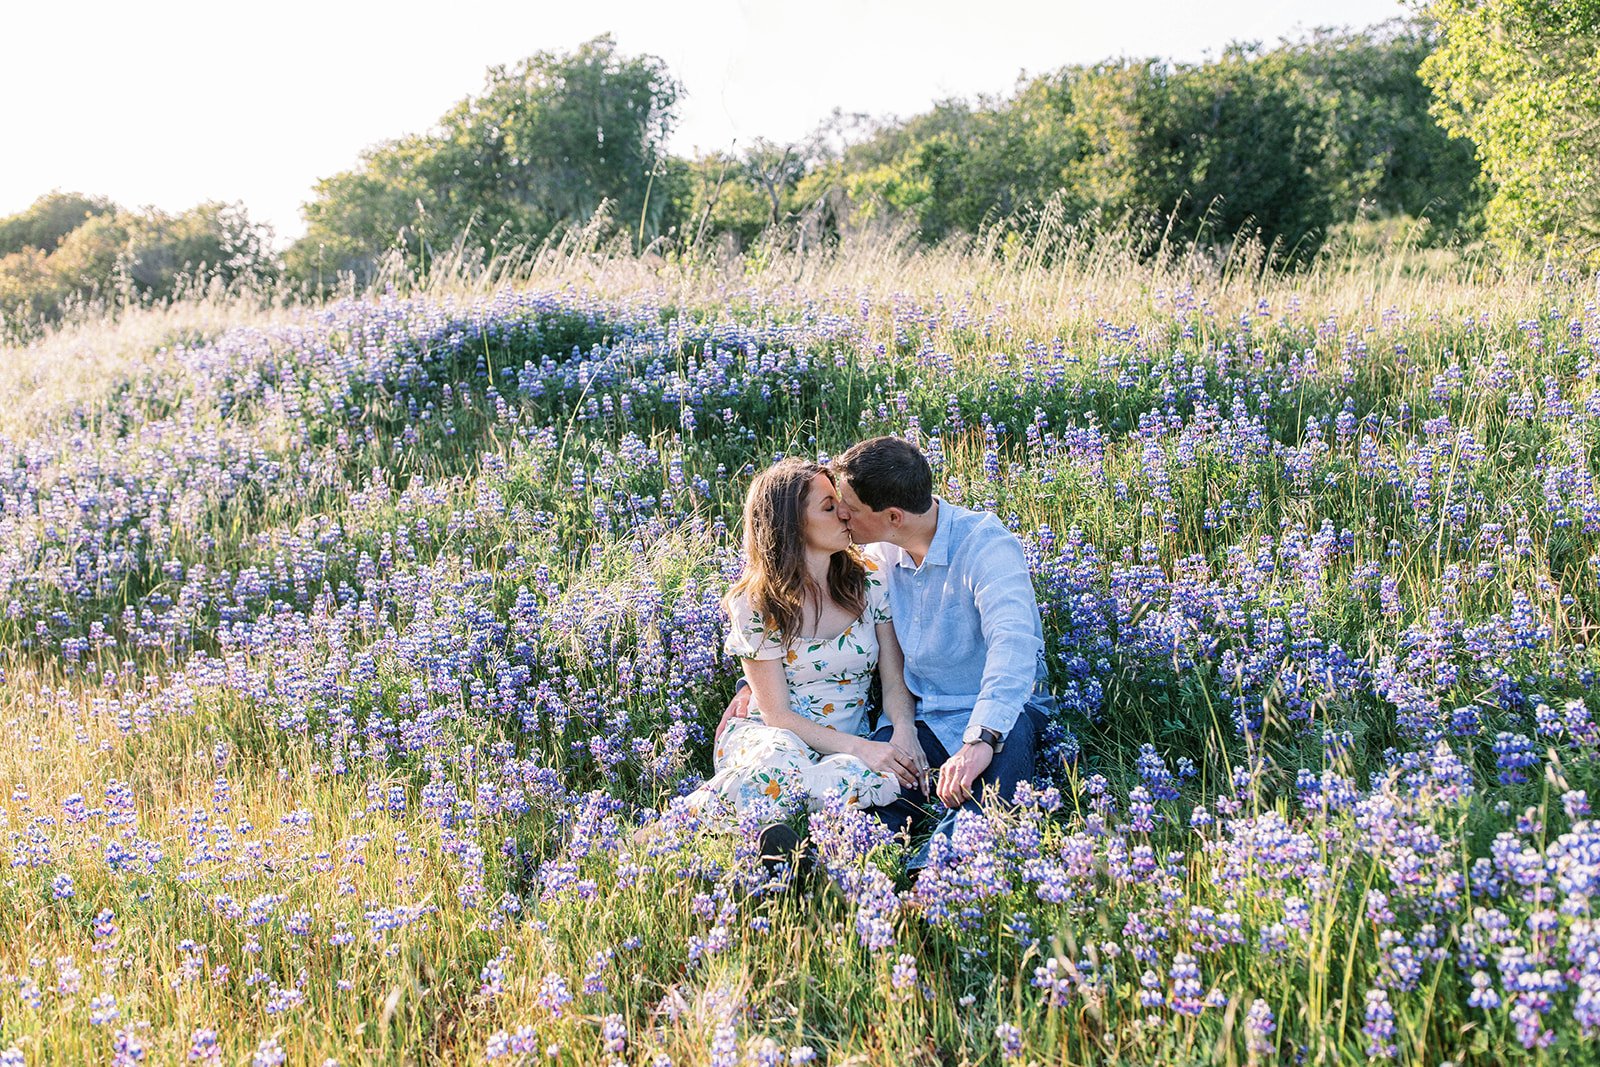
(738, 708)
(904, 739)
(885, 758)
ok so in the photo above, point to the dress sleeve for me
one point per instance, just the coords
(877, 594)
(748, 636)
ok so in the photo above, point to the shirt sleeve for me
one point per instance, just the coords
(748, 636)
(1008, 614)
(877, 595)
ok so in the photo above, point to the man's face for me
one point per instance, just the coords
(866, 525)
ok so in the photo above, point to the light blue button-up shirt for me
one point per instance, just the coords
(968, 621)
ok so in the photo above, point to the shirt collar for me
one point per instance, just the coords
(939, 549)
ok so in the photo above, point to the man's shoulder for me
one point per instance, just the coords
(980, 529)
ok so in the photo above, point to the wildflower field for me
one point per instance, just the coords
(345, 648)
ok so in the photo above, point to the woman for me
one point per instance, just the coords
(810, 622)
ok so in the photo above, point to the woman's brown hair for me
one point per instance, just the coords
(775, 578)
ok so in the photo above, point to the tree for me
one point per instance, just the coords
(964, 166)
(48, 219)
(29, 292)
(774, 169)
(209, 241)
(116, 253)
(720, 204)
(357, 216)
(1384, 151)
(1521, 80)
(89, 257)
(545, 144)
(1224, 147)
(1285, 142)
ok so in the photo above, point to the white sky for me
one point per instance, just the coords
(172, 102)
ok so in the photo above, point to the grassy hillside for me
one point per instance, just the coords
(345, 646)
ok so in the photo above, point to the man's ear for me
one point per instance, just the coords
(896, 516)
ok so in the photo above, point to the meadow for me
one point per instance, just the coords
(346, 645)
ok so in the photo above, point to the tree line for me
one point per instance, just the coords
(1481, 117)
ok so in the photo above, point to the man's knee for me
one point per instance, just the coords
(1025, 733)
(1017, 760)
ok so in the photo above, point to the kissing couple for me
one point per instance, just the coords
(858, 567)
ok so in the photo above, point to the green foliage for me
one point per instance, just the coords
(546, 144)
(1230, 146)
(719, 200)
(961, 167)
(89, 256)
(1521, 79)
(213, 240)
(49, 219)
(29, 289)
(121, 255)
(1384, 148)
(1286, 142)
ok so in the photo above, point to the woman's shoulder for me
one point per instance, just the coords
(877, 590)
(749, 636)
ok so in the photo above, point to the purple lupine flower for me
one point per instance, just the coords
(1187, 992)
(724, 1047)
(903, 979)
(1055, 979)
(1379, 1026)
(269, 1054)
(103, 1009)
(203, 1047)
(1258, 1027)
(1154, 774)
(614, 1034)
(553, 994)
(763, 1052)
(1513, 754)
(1575, 802)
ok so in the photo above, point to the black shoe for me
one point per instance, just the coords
(782, 845)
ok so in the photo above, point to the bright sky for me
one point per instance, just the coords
(172, 102)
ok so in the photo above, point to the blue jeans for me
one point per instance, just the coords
(912, 811)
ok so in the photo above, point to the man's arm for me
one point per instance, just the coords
(1003, 592)
(1007, 614)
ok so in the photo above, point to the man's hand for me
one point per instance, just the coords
(738, 708)
(961, 770)
(885, 758)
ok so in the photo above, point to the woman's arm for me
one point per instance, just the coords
(771, 690)
(899, 706)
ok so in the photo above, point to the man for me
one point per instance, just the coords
(968, 623)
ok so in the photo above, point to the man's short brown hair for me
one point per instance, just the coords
(888, 472)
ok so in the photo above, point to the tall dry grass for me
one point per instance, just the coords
(1059, 274)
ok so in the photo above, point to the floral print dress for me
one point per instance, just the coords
(763, 768)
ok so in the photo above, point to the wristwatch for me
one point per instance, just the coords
(992, 738)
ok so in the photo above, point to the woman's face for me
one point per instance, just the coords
(824, 530)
